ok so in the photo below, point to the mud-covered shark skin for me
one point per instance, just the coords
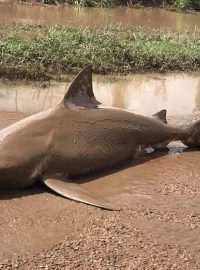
(74, 139)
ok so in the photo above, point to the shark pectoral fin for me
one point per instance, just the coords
(80, 93)
(74, 191)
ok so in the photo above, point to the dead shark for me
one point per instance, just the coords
(74, 139)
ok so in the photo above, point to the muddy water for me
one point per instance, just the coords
(135, 183)
(144, 94)
(153, 18)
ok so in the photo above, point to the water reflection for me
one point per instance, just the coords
(153, 18)
(144, 94)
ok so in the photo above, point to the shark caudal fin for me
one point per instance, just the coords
(74, 191)
(80, 92)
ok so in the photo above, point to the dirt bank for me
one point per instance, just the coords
(158, 227)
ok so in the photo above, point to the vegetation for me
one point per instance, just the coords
(186, 4)
(175, 4)
(37, 52)
(93, 3)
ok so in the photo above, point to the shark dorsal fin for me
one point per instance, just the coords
(161, 116)
(80, 93)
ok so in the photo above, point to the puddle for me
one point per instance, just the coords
(90, 17)
(143, 94)
(138, 181)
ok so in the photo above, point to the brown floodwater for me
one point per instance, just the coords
(124, 16)
(135, 182)
(143, 94)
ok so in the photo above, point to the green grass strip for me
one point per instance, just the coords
(34, 52)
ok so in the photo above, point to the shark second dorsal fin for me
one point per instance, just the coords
(161, 116)
(80, 93)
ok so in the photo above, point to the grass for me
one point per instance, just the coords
(92, 3)
(174, 4)
(35, 52)
(186, 4)
(82, 3)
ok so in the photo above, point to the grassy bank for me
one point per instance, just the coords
(174, 4)
(37, 52)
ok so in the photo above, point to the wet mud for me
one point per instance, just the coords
(51, 15)
(157, 228)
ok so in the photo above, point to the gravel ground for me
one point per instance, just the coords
(158, 227)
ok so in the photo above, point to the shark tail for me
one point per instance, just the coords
(191, 137)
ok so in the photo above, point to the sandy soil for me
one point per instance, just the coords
(158, 227)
